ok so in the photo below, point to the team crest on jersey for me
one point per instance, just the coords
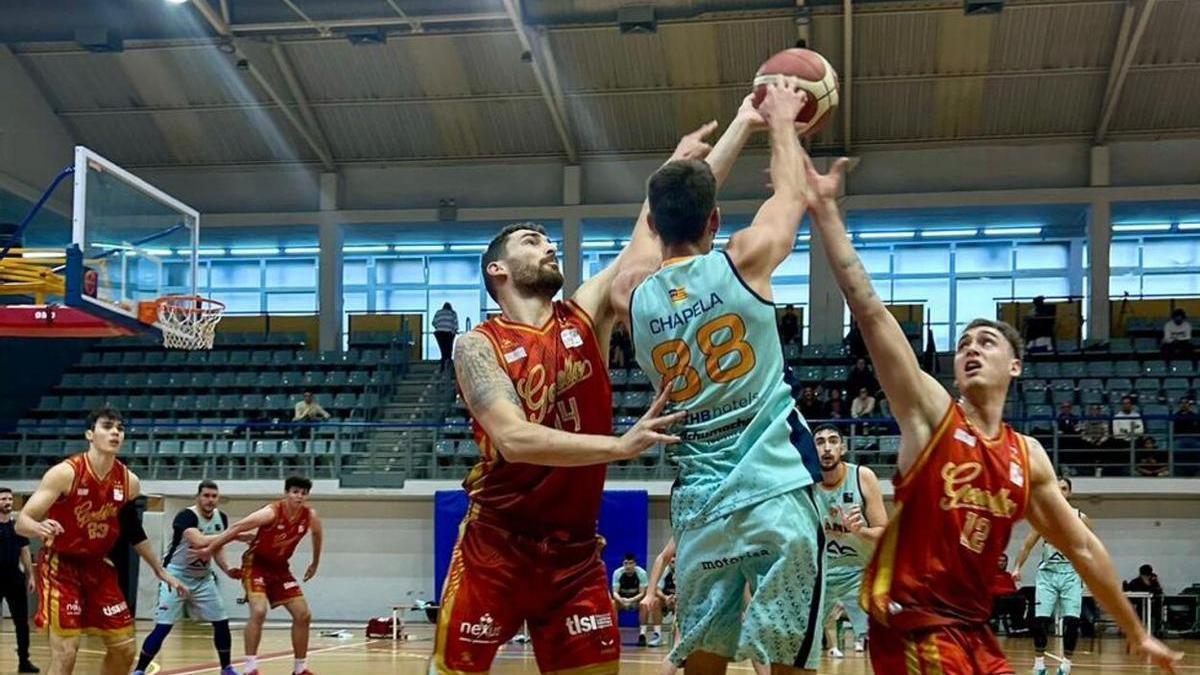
(1016, 474)
(82, 492)
(515, 355)
(118, 494)
(963, 435)
(678, 295)
(571, 338)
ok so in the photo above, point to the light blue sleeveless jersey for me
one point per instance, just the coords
(1052, 558)
(843, 549)
(744, 441)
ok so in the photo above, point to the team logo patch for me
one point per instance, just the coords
(964, 436)
(1015, 474)
(678, 295)
(118, 494)
(571, 338)
(82, 492)
(515, 355)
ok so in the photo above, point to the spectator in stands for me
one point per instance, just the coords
(629, 585)
(620, 350)
(810, 406)
(863, 405)
(862, 377)
(1147, 582)
(1039, 327)
(854, 341)
(1149, 463)
(835, 407)
(1094, 432)
(445, 327)
(1127, 422)
(308, 413)
(1007, 605)
(1177, 336)
(1186, 426)
(789, 325)
(1068, 425)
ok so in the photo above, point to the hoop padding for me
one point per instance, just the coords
(189, 321)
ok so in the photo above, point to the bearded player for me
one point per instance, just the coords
(80, 508)
(265, 572)
(963, 479)
(853, 517)
(536, 382)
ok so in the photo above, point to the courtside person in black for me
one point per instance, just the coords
(16, 578)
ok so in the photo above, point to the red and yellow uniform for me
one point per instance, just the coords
(77, 583)
(265, 570)
(527, 549)
(928, 586)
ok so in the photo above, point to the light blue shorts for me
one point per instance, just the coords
(842, 585)
(1061, 588)
(203, 602)
(777, 546)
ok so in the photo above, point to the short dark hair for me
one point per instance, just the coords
(1145, 569)
(495, 251)
(682, 195)
(206, 485)
(104, 412)
(1126, 397)
(1178, 311)
(1070, 485)
(5, 491)
(1014, 339)
(297, 482)
(826, 427)
(629, 557)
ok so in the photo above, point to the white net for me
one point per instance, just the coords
(189, 321)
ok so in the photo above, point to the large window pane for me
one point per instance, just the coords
(240, 302)
(1123, 254)
(302, 272)
(236, 274)
(1171, 284)
(1043, 256)
(1171, 252)
(1051, 287)
(400, 301)
(1125, 283)
(922, 259)
(400, 271)
(291, 302)
(977, 298)
(876, 260)
(989, 258)
(354, 302)
(933, 293)
(795, 264)
(464, 302)
(454, 270)
(791, 294)
(354, 272)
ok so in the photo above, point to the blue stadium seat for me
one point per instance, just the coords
(1145, 345)
(9, 448)
(71, 381)
(1076, 369)
(1156, 368)
(1127, 369)
(1101, 369)
(112, 380)
(194, 448)
(246, 379)
(283, 357)
(169, 448)
(1147, 386)
(1118, 386)
(224, 380)
(260, 358)
(1184, 368)
(90, 359)
(1120, 346)
(50, 403)
(133, 359)
(239, 358)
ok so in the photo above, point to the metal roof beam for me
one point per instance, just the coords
(381, 22)
(1117, 74)
(536, 58)
(298, 94)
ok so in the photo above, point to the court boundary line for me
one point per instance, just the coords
(274, 656)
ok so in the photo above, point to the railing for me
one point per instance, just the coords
(387, 453)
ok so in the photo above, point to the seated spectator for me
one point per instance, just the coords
(1007, 605)
(666, 589)
(863, 405)
(1095, 431)
(1127, 422)
(1068, 424)
(308, 413)
(789, 325)
(1186, 426)
(854, 341)
(1149, 458)
(1147, 582)
(810, 406)
(861, 377)
(835, 407)
(1039, 327)
(629, 585)
(620, 349)
(1177, 336)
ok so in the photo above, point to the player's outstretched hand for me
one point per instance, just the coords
(750, 115)
(693, 145)
(1158, 654)
(1016, 575)
(650, 603)
(853, 521)
(310, 572)
(825, 189)
(652, 429)
(49, 529)
(174, 584)
(783, 101)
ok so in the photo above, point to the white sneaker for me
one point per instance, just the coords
(836, 653)
(655, 641)
(859, 646)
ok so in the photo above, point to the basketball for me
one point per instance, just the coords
(814, 75)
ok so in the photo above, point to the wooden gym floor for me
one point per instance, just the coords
(189, 651)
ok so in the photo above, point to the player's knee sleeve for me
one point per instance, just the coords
(1070, 634)
(223, 641)
(1041, 632)
(155, 639)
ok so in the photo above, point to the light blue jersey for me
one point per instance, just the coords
(697, 323)
(843, 549)
(1052, 558)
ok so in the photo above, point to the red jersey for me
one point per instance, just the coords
(88, 511)
(277, 542)
(955, 510)
(561, 377)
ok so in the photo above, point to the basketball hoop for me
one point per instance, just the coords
(189, 321)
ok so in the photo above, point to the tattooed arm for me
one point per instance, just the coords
(917, 400)
(493, 403)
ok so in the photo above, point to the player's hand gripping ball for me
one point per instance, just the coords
(809, 71)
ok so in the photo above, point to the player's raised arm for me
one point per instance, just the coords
(757, 250)
(55, 483)
(260, 518)
(1031, 540)
(1051, 515)
(493, 403)
(917, 400)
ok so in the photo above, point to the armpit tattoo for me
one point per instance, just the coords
(479, 376)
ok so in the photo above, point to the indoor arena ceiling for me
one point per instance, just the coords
(240, 82)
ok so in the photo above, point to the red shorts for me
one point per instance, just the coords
(948, 650)
(498, 580)
(79, 595)
(269, 579)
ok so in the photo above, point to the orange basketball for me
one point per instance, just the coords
(813, 74)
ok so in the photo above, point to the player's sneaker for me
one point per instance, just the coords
(228, 670)
(836, 653)
(1039, 671)
(641, 640)
(655, 641)
(860, 646)
(27, 667)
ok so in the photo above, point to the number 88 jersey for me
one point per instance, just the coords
(698, 328)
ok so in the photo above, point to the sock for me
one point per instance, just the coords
(251, 662)
(223, 641)
(658, 630)
(301, 666)
(1039, 662)
(642, 629)
(1065, 665)
(152, 644)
